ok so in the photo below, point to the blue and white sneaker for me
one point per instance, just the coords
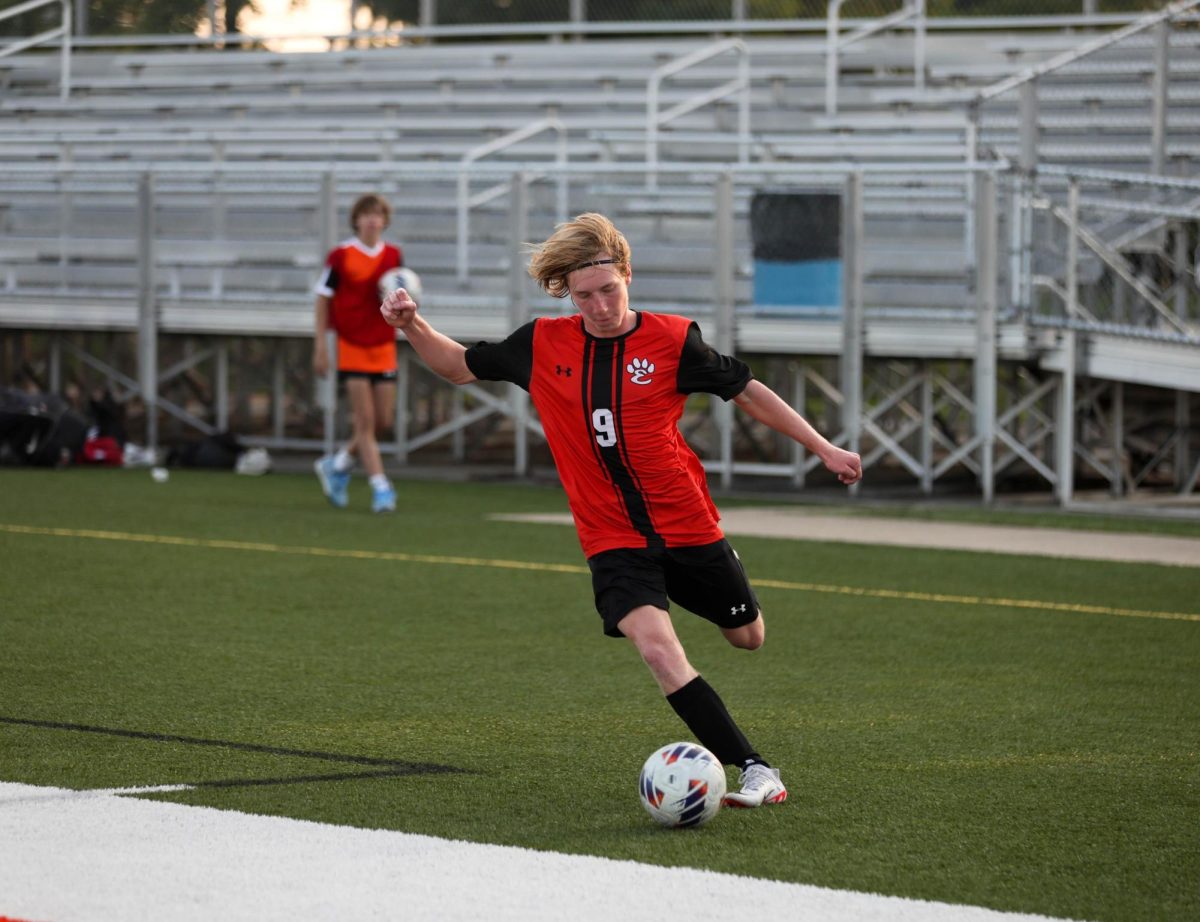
(334, 483)
(383, 500)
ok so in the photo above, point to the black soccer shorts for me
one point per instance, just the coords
(375, 377)
(707, 580)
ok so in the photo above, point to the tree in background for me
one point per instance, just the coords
(469, 12)
(131, 17)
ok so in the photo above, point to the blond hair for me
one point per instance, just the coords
(572, 246)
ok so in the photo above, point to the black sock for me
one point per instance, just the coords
(702, 709)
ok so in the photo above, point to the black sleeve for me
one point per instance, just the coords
(510, 360)
(703, 370)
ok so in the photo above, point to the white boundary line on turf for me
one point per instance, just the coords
(113, 858)
(800, 525)
(151, 789)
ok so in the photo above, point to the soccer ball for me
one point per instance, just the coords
(400, 278)
(682, 784)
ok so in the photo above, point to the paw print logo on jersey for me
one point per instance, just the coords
(640, 371)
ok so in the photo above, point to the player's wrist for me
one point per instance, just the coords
(825, 450)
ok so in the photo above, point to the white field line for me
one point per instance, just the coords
(91, 856)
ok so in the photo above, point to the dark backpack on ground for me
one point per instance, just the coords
(219, 450)
(39, 429)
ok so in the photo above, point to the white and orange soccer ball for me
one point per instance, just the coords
(400, 278)
(682, 785)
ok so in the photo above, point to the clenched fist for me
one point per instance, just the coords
(398, 309)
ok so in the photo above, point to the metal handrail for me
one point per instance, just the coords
(466, 201)
(1160, 215)
(1119, 176)
(1069, 216)
(739, 84)
(63, 32)
(1070, 57)
(834, 42)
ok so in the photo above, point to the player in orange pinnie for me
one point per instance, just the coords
(348, 302)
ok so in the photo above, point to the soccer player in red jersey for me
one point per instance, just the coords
(348, 302)
(609, 385)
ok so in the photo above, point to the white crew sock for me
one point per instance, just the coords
(380, 482)
(343, 461)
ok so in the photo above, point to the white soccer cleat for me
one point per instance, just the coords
(760, 785)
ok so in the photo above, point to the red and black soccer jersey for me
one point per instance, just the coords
(610, 409)
(351, 282)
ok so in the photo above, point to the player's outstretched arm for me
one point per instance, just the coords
(443, 355)
(771, 410)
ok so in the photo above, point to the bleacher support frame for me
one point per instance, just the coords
(880, 413)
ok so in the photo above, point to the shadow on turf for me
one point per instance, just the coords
(388, 768)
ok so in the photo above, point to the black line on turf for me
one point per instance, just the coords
(398, 766)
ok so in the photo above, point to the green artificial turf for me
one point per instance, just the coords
(399, 672)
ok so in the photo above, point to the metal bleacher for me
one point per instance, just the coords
(197, 190)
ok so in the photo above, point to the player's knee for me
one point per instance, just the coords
(747, 642)
(748, 637)
(659, 657)
(662, 655)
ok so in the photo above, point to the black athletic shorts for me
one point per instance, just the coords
(707, 580)
(375, 377)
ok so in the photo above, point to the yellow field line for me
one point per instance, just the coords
(292, 549)
(978, 600)
(500, 564)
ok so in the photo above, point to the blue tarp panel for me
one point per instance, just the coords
(797, 251)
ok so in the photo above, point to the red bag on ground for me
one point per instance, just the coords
(102, 449)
